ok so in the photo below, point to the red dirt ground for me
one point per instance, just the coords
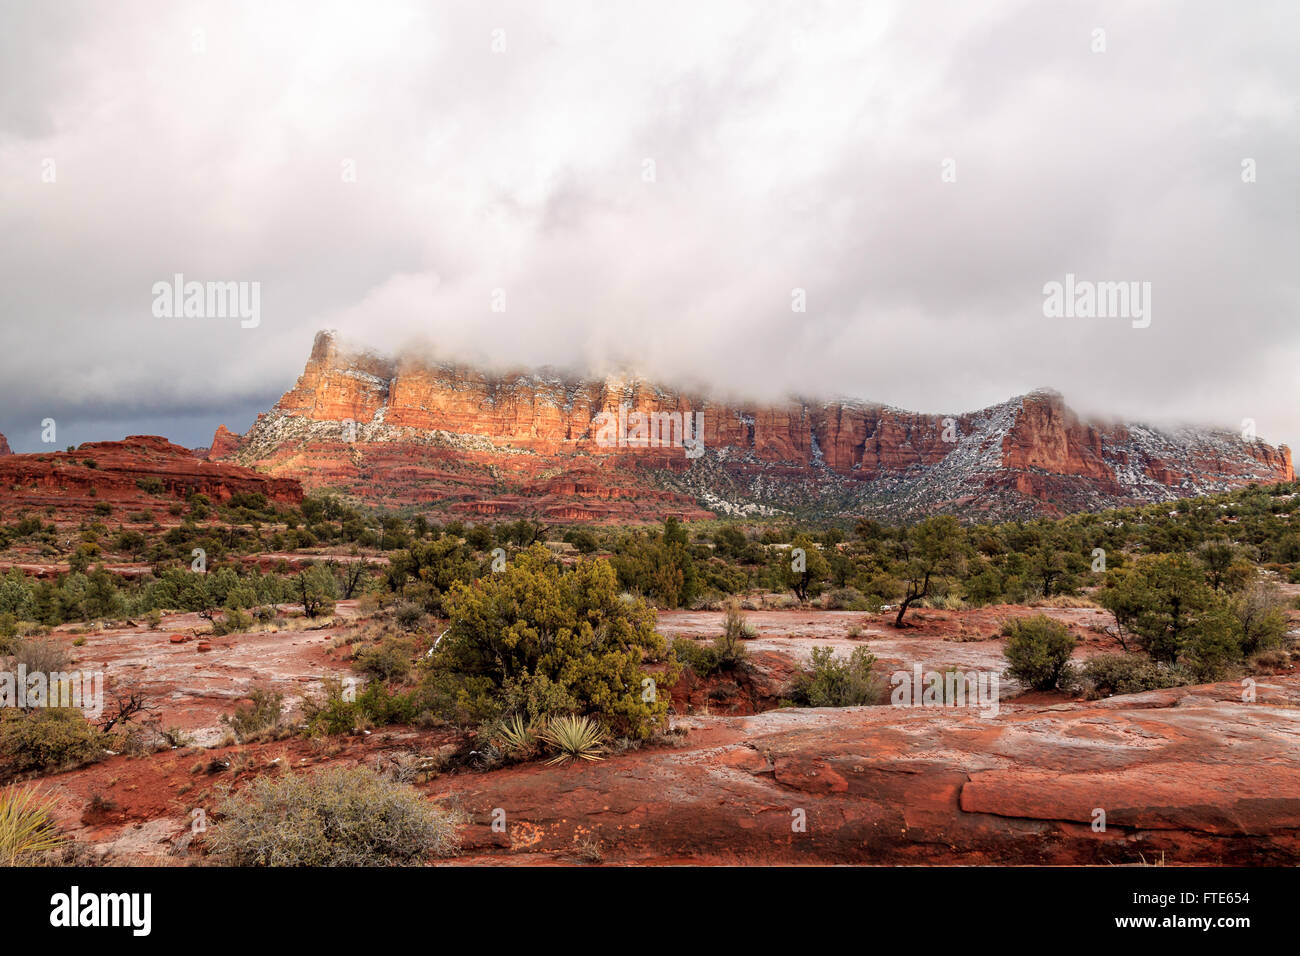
(1194, 774)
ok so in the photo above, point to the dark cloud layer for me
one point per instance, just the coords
(792, 146)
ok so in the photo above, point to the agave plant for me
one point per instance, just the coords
(518, 736)
(575, 738)
(27, 828)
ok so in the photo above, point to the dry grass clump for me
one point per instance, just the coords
(333, 817)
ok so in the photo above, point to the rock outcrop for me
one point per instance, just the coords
(224, 443)
(144, 473)
(4, 446)
(1184, 776)
(617, 449)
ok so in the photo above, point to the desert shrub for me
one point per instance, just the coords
(1037, 650)
(659, 565)
(946, 602)
(1213, 650)
(583, 541)
(427, 571)
(151, 485)
(332, 817)
(387, 661)
(1269, 662)
(1260, 613)
(27, 829)
(728, 647)
(332, 713)
(574, 738)
(723, 653)
(719, 578)
(47, 739)
(832, 681)
(408, 615)
(553, 638)
(233, 621)
(848, 599)
(983, 588)
(517, 737)
(1108, 674)
(260, 715)
(698, 657)
(37, 656)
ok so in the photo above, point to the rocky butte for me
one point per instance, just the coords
(145, 473)
(399, 431)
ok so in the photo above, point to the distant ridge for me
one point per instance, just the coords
(398, 431)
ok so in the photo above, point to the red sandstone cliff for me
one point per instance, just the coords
(224, 443)
(402, 431)
(4, 446)
(111, 473)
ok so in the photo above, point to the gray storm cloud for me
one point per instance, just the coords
(646, 184)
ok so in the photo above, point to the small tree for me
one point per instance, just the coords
(659, 565)
(803, 568)
(129, 703)
(1216, 556)
(354, 572)
(1261, 618)
(315, 588)
(929, 548)
(554, 641)
(1037, 650)
(1159, 601)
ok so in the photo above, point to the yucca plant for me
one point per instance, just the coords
(27, 829)
(519, 738)
(575, 738)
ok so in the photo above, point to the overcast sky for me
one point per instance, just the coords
(647, 183)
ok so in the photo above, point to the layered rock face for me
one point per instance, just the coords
(4, 446)
(111, 473)
(393, 431)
